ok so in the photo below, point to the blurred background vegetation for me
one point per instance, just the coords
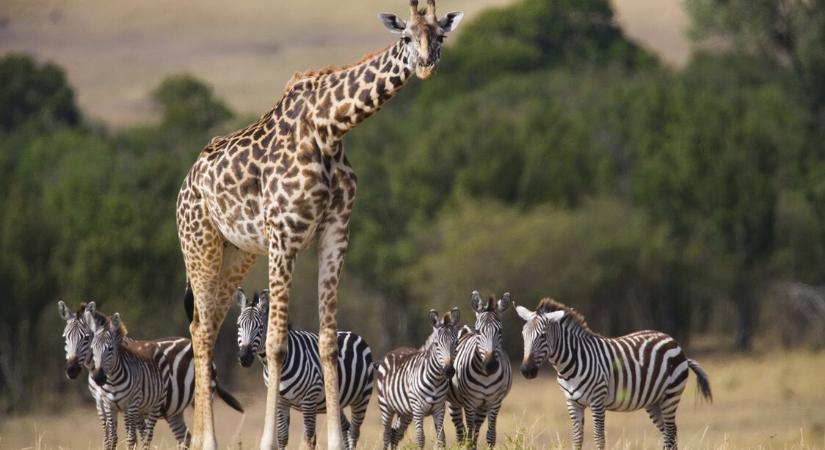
(550, 156)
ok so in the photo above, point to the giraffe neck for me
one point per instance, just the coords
(346, 97)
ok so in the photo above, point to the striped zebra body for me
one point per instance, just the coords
(146, 380)
(413, 383)
(645, 369)
(483, 375)
(302, 380)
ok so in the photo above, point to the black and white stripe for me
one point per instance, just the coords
(483, 375)
(646, 369)
(147, 380)
(413, 383)
(302, 379)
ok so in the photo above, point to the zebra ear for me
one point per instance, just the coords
(114, 327)
(240, 297)
(504, 302)
(90, 321)
(455, 316)
(65, 313)
(525, 313)
(554, 316)
(475, 301)
(263, 301)
(434, 317)
(91, 307)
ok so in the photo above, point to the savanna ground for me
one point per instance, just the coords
(771, 401)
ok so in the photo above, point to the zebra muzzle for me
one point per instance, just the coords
(72, 368)
(490, 363)
(99, 376)
(245, 356)
(449, 371)
(529, 369)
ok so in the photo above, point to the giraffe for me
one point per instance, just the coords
(278, 184)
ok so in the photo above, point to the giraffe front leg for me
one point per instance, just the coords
(576, 413)
(331, 251)
(281, 265)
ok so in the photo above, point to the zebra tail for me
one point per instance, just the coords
(701, 380)
(189, 301)
(228, 398)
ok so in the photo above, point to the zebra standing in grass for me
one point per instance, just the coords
(645, 369)
(146, 380)
(302, 377)
(483, 375)
(77, 336)
(413, 383)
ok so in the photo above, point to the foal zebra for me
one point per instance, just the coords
(483, 375)
(302, 377)
(77, 336)
(413, 383)
(146, 380)
(645, 369)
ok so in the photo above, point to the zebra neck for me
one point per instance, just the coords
(432, 364)
(565, 355)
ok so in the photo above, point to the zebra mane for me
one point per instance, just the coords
(547, 305)
(99, 317)
(123, 330)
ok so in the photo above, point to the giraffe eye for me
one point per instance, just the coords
(406, 39)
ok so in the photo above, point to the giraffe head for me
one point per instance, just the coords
(423, 33)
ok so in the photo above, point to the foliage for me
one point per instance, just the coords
(37, 95)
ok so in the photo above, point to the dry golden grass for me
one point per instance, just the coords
(775, 401)
(116, 52)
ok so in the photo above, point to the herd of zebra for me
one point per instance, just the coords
(463, 368)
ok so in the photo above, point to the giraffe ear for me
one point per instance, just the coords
(392, 22)
(451, 20)
(65, 314)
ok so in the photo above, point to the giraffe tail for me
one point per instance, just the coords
(189, 301)
(701, 380)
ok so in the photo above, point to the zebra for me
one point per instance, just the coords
(483, 376)
(302, 382)
(645, 369)
(77, 336)
(146, 380)
(413, 383)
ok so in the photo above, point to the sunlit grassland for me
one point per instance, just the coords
(770, 401)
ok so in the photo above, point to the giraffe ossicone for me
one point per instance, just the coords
(277, 184)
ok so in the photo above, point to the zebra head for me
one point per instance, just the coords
(442, 340)
(105, 345)
(251, 325)
(537, 333)
(488, 328)
(77, 337)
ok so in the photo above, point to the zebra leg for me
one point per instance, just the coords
(438, 418)
(479, 420)
(576, 413)
(398, 433)
(149, 429)
(418, 418)
(669, 406)
(598, 424)
(134, 424)
(457, 417)
(111, 426)
(386, 421)
(345, 429)
(491, 426)
(472, 437)
(283, 425)
(357, 412)
(178, 427)
(309, 426)
(655, 413)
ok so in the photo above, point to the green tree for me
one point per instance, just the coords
(34, 94)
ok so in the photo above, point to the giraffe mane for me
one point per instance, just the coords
(303, 75)
(547, 305)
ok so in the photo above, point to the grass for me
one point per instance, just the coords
(772, 401)
(116, 52)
